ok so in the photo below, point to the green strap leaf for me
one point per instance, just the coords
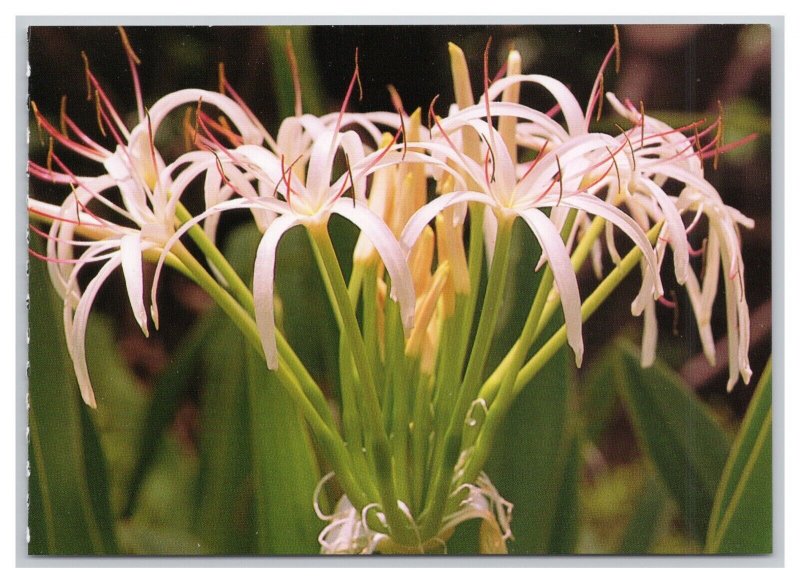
(741, 519)
(69, 512)
(677, 432)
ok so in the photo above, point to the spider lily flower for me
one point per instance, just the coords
(310, 203)
(556, 179)
(659, 153)
(347, 531)
(144, 219)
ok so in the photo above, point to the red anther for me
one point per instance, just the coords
(65, 140)
(397, 103)
(133, 61)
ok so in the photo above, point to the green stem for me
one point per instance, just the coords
(376, 440)
(545, 353)
(579, 256)
(326, 436)
(447, 452)
(242, 293)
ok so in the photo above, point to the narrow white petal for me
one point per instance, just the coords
(268, 204)
(264, 286)
(703, 318)
(675, 228)
(565, 280)
(426, 214)
(131, 254)
(598, 207)
(390, 251)
(320, 166)
(226, 105)
(649, 334)
(77, 335)
(569, 105)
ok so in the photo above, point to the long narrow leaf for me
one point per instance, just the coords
(686, 445)
(69, 512)
(741, 520)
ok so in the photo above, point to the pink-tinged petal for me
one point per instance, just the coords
(649, 334)
(563, 273)
(539, 120)
(489, 235)
(389, 249)
(539, 178)
(354, 150)
(237, 203)
(427, 213)
(320, 166)
(131, 255)
(569, 105)
(703, 318)
(264, 286)
(76, 331)
(611, 213)
(674, 227)
(226, 105)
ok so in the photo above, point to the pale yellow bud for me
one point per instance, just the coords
(426, 308)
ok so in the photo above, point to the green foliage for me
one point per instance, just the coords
(255, 450)
(741, 520)
(676, 430)
(69, 512)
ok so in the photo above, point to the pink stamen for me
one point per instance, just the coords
(40, 213)
(106, 101)
(596, 88)
(84, 137)
(298, 99)
(553, 111)
(539, 156)
(347, 98)
(201, 121)
(665, 302)
(731, 146)
(70, 261)
(133, 61)
(65, 140)
(47, 235)
(77, 181)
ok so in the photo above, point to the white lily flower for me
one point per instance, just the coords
(661, 153)
(554, 180)
(143, 221)
(348, 532)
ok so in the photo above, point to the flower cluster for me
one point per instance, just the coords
(434, 206)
